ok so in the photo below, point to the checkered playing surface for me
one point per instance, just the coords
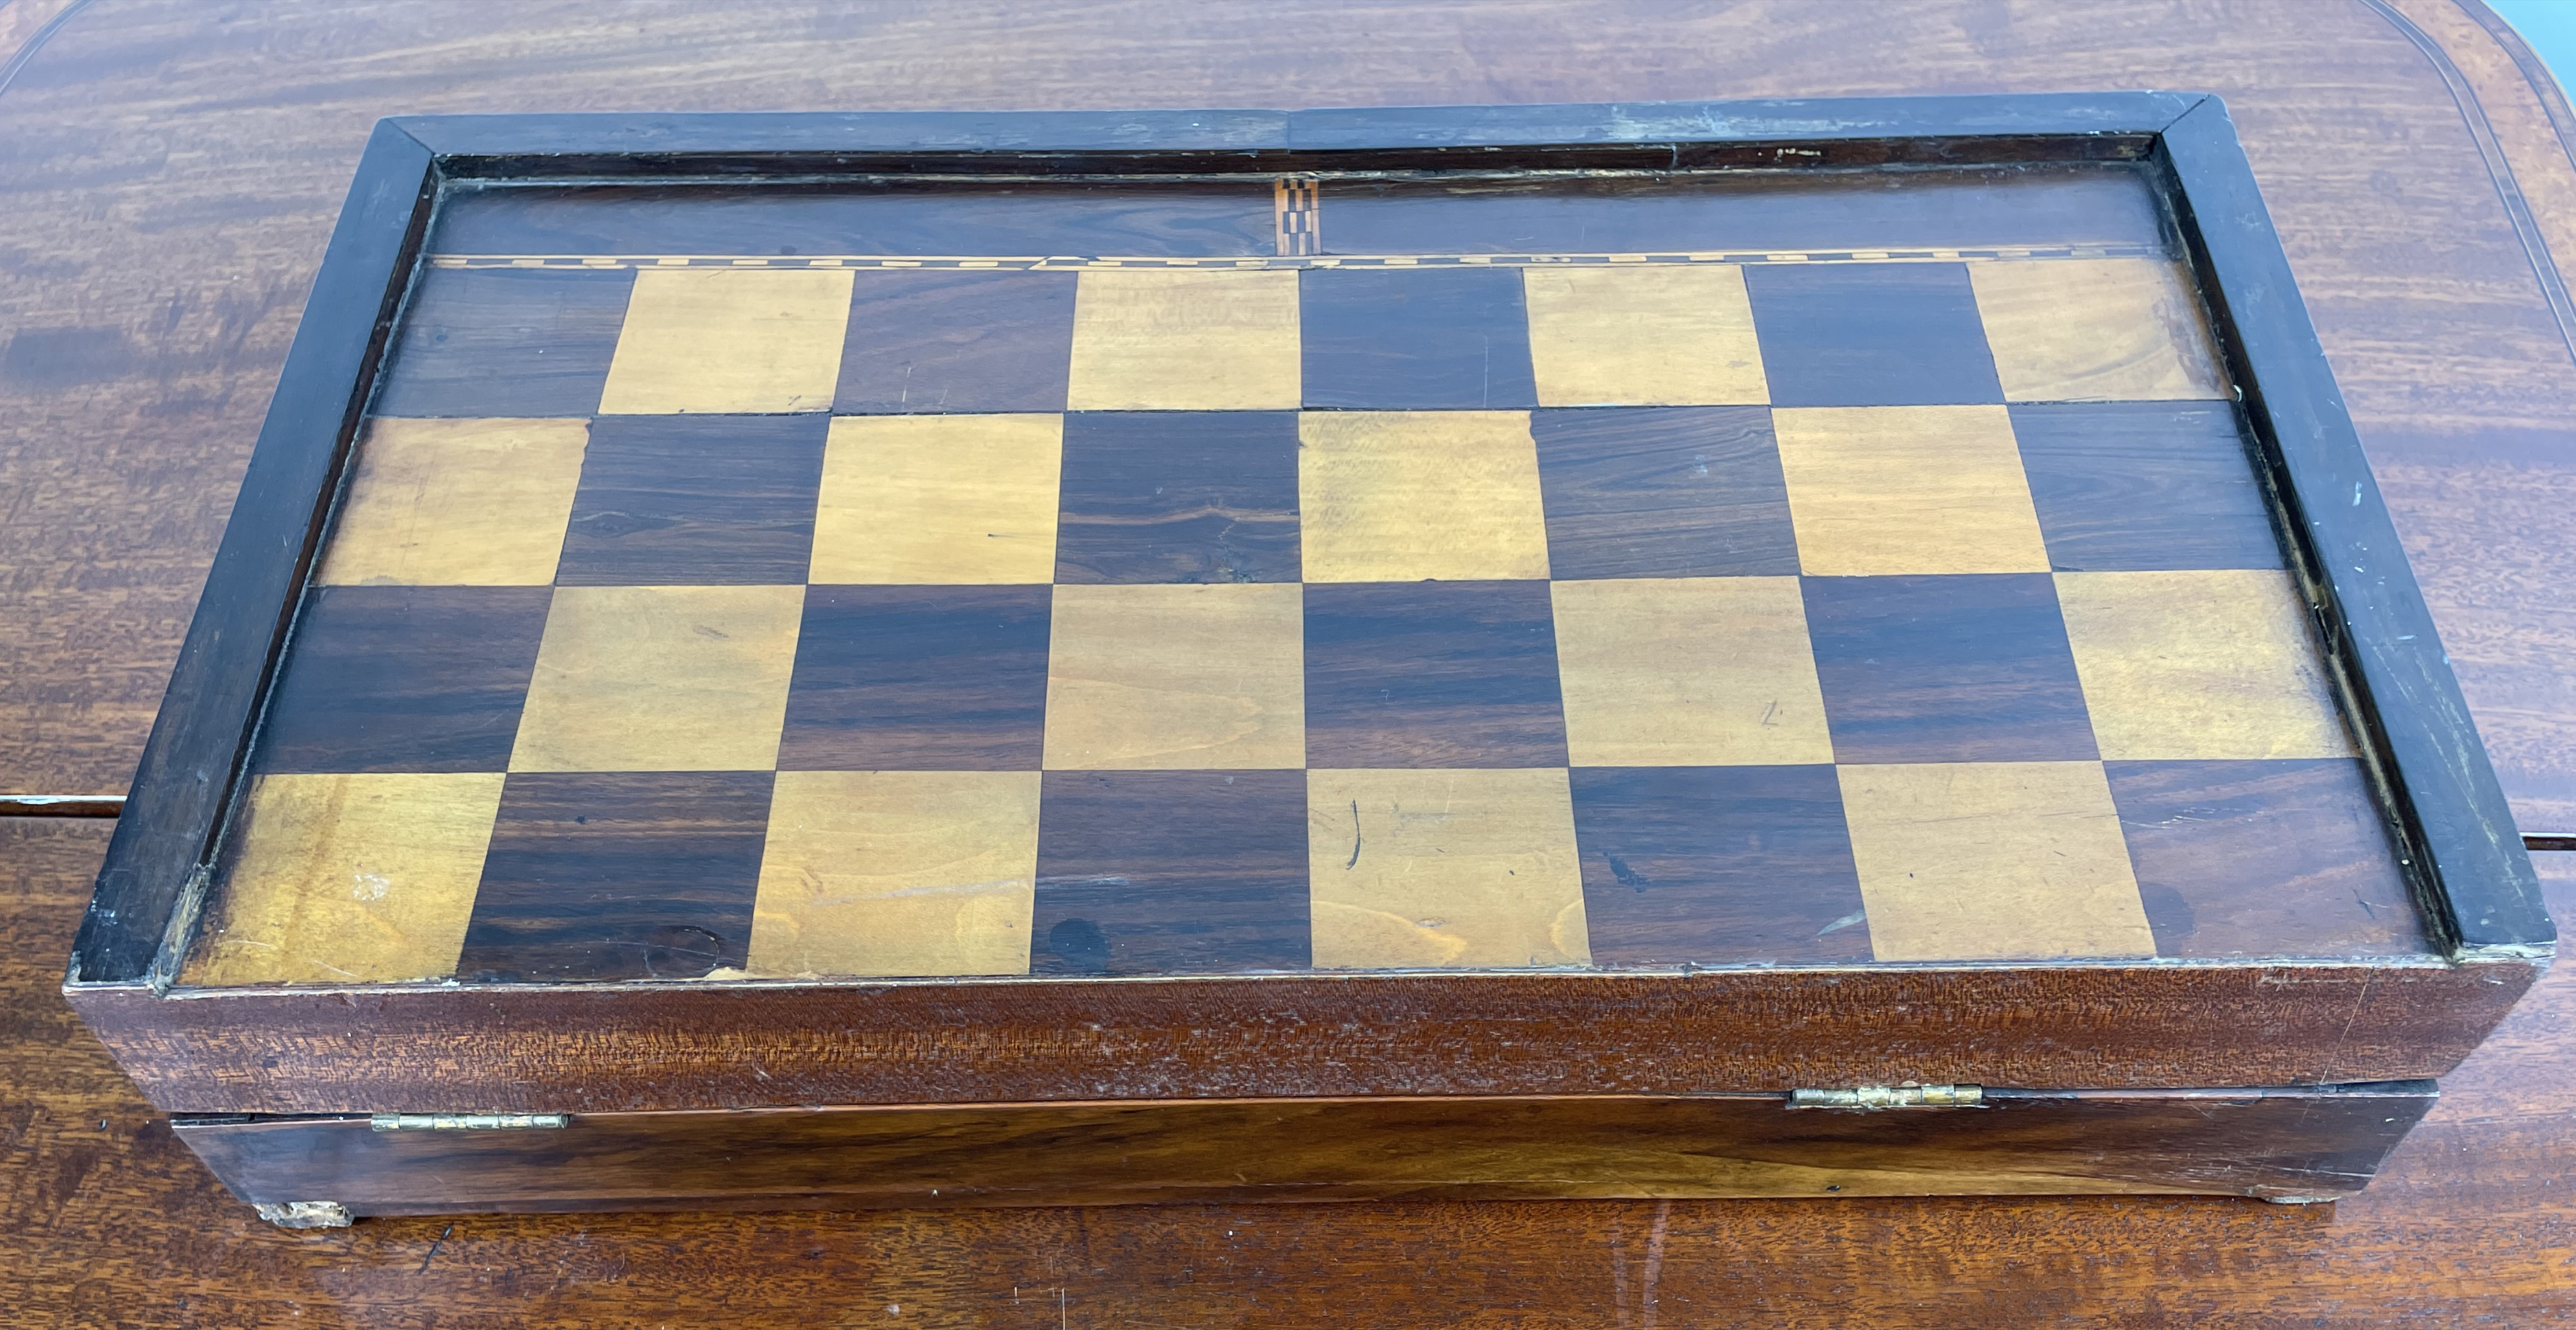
(850, 620)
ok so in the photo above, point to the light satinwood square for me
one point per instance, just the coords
(457, 503)
(661, 678)
(740, 340)
(897, 873)
(1404, 496)
(1879, 490)
(344, 879)
(1660, 335)
(2096, 330)
(1444, 869)
(1185, 341)
(2211, 664)
(1992, 860)
(933, 499)
(1703, 671)
(1177, 677)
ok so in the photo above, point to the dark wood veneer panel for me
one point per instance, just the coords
(618, 875)
(1871, 334)
(1717, 865)
(404, 678)
(913, 678)
(1178, 496)
(1171, 872)
(2326, 1141)
(1663, 491)
(1962, 667)
(700, 500)
(1432, 674)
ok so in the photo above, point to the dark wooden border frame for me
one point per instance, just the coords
(230, 1050)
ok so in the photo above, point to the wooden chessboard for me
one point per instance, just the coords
(1228, 577)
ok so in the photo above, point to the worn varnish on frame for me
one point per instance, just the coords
(1216, 661)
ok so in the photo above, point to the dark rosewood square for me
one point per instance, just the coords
(2144, 486)
(1415, 339)
(1432, 674)
(1717, 866)
(1870, 334)
(1178, 496)
(919, 678)
(931, 340)
(1949, 668)
(1171, 872)
(2265, 858)
(695, 501)
(404, 678)
(1663, 491)
(618, 875)
(505, 342)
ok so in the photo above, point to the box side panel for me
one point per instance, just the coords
(2308, 1144)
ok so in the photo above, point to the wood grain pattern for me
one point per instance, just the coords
(911, 678)
(1870, 334)
(1400, 496)
(2212, 664)
(695, 501)
(1446, 674)
(1706, 671)
(1185, 341)
(1213, 882)
(2281, 1142)
(901, 216)
(123, 459)
(1206, 677)
(1414, 340)
(505, 342)
(944, 499)
(983, 342)
(1946, 669)
(660, 678)
(1178, 496)
(404, 679)
(2109, 204)
(897, 873)
(1429, 869)
(729, 341)
(2096, 330)
(1236, 890)
(1976, 861)
(1935, 489)
(2140, 487)
(1663, 492)
(1643, 337)
(458, 502)
(2265, 858)
(1717, 865)
(349, 879)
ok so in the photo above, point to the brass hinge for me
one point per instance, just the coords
(1871, 1098)
(465, 1121)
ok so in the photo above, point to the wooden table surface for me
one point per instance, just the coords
(169, 170)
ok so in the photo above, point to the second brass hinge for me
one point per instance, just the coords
(1870, 1098)
(465, 1121)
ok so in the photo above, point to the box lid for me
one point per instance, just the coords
(1308, 628)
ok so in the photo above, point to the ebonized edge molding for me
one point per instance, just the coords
(449, 1048)
(2479, 892)
(2302, 1144)
(166, 832)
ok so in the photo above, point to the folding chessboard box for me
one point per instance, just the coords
(1668, 650)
